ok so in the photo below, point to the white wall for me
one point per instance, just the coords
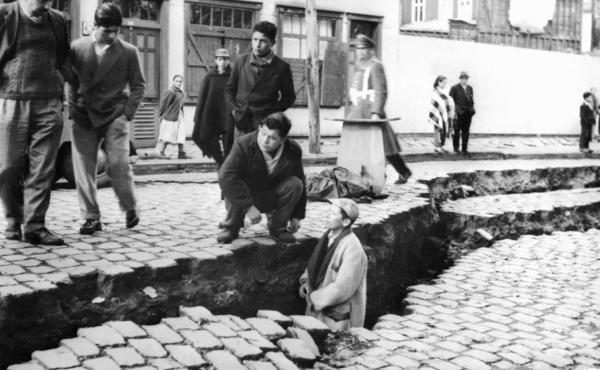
(516, 90)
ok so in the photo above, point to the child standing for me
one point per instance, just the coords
(172, 128)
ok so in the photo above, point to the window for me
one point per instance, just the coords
(366, 28)
(445, 9)
(293, 38)
(418, 11)
(138, 9)
(219, 16)
(465, 9)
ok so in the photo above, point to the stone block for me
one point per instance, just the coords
(148, 347)
(102, 336)
(470, 363)
(163, 333)
(254, 338)
(125, 356)
(304, 336)
(267, 328)
(297, 351)
(165, 364)
(186, 355)
(58, 358)
(14, 290)
(180, 323)
(101, 363)
(224, 360)
(278, 317)
(26, 366)
(233, 322)
(402, 361)
(315, 327)
(81, 347)
(198, 314)
(220, 330)
(242, 349)
(201, 339)
(282, 362)
(259, 365)
(364, 334)
(127, 329)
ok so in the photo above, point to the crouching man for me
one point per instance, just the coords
(335, 282)
(263, 173)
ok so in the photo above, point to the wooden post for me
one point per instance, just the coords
(312, 78)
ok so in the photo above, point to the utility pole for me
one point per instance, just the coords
(312, 77)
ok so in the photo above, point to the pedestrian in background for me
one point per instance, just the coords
(261, 83)
(439, 113)
(334, 283)
(587, 120)
(596, 109)
(172, 127)
(213, 123)
(368, 95)
(106, 66)
(462, 93)
(34, 49)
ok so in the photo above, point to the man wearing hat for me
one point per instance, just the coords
(335, 282)
(368, 94)
(462, 93)
(213, 123)
(261, 82)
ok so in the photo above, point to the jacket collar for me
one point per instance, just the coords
(259, 159)
(113, 53)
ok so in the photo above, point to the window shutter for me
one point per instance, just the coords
(333, 78)
(298, 67)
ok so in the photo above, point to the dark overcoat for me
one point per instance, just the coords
(171, 104)
(245, 181)
(463, 100)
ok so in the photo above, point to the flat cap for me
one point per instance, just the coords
(347, 205)
(463, 74)
(222, 53)
(364, 42)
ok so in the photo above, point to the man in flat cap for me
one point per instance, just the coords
(261, 82)
(335, 282)
(213, 123)
(462, 93)
(368, 95)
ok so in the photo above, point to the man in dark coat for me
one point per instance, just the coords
(462, 93)
(213, 123)
(263, 173)
(587, 120)
(34, 50)
(261, 83)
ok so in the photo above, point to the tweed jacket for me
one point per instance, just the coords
(271, 91)
(344, 289)
(103, 92)
(463, 99)
(245, 180)
(9, 29)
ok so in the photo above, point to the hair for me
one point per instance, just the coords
(174, 77)
(345, 216)
(277, 121)
(438, 81)
(587, 95)
(266, 28)
(108, 15)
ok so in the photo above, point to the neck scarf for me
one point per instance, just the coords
(321, 257)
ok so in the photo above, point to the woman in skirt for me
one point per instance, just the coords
(172, 127)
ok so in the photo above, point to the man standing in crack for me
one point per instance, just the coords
(335, 282)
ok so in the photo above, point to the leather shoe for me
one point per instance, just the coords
(90, 226)
(43, 236)
(131, 219)
(13, 234)
(226, 236)
(283, 235)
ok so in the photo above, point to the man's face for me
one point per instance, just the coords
(261, 44)
(107, 35)
(335, 220)
(463, 81)
(178, 82)
(363, 53)
(36, 7)
(269, 140)
(590, 100)
(222, 62)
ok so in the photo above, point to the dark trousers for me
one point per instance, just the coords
(586, 136)
(461, 131)
(30, 133)
(399, 165)
(288, 193)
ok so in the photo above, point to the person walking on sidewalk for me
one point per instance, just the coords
(213, 123)
(261, 83)
(368, 95)
(102, 112)
(587, 120)
(335, 282)
(34, 50)
(170, 113)
(439, 113)
(462, 93)
(264, 173)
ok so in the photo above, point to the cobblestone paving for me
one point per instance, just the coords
(493, 205)
(532, 302)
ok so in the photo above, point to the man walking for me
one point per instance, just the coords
(34, 45)
(107, 66)
(462, 93)
(260, 83)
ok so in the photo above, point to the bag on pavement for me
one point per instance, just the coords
(338, 182)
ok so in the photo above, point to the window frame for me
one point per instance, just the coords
(254, 8)
(415, 7)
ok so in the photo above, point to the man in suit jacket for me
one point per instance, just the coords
(102, 110)
(260, 83)
(462, 93)
(34, 46)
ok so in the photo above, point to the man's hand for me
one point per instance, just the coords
(253, 215)
(294, 225)
(303, 291)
